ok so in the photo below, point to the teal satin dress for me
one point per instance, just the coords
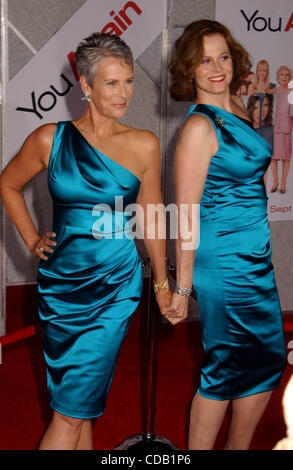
(240, 314)
(91, 284)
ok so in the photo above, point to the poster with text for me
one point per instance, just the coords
(265, 29)
(47, 88)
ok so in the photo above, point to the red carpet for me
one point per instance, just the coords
(24, 410)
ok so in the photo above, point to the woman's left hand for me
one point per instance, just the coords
(164, 301)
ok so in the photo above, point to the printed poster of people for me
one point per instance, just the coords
(265, 29)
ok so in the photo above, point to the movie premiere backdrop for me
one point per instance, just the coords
(265, 29)
(47, 90)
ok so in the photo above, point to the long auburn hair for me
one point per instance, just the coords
(188, 53)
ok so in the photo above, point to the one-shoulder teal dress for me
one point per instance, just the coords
(91, 284)
(240, 314)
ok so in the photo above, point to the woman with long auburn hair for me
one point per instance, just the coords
(220, 162)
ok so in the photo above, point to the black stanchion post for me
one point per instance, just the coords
(148, 440)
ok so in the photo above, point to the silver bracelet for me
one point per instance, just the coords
(182, 291)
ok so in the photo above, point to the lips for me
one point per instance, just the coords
(217, 79)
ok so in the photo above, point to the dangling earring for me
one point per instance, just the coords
(194, 86)
(86, 97)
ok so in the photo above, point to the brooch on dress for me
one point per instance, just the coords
(219, 122)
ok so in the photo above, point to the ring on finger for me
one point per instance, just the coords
(41, 249)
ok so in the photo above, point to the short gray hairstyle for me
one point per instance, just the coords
(93, 49)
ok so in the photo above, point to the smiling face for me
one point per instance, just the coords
(112, 88)
(262, 72)
(284, 77)
(215, 72)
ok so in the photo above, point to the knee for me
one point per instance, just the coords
(73, 424)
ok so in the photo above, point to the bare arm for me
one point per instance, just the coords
(150, 198)
(196, 145)
(31, 160)
(272, 90)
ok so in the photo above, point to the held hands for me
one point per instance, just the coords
(172, 306)
(43, 244)
(178, 308)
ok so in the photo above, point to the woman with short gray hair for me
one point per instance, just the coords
(90, 276)
(92, 50)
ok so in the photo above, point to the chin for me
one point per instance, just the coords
(119, 111)
(119, 115)
(218, 90)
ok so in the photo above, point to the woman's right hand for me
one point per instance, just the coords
(178, 309)
(43, 245)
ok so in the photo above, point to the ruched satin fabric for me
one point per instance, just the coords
(240, 314)
(91, 284)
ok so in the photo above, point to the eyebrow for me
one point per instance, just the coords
(116, 79)
(222, 53)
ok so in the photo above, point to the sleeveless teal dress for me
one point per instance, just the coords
(240, 314)
(91, 284)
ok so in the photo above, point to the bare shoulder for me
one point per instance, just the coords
(43, 135)
(143, 143)
(40, 139)
(39, 143)
(32, 158)
(198, 121)
(197, 126)
(198, 135)
(141, 136)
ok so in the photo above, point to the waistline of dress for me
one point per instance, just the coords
(99, 219)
